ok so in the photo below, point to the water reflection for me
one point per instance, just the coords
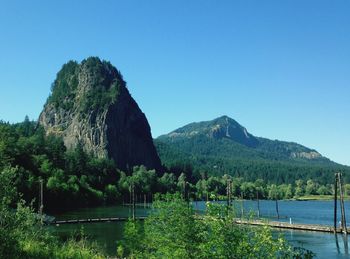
(337, 243)
(345, 244)
(345, 240)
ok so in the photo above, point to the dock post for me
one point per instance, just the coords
(242, 206)
(228, 194)
(187, 194)
(335, 201)
(130, 195)
(133, 200)
(257, 198)
(184, 191)
(41, 206)
(278, 214)
(341, 190)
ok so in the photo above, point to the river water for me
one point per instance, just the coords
(325, 245)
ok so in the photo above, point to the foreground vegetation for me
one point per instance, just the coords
(173, 230)
(23, 236)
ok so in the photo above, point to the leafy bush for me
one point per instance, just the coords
(173, 230)
(23, 236)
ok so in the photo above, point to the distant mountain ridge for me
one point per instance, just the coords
(223, 146)
(222, 127)
(230, 135)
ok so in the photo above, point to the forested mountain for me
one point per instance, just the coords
(224, 146)
(90, 105)
(89, 130)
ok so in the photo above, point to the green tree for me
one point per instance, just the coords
(167, 183)
(299, 189)
(181, 183)
(274, 192)
(202, 189)
(311, 187)
(144, 180)
(346, 188)
(173, 231)
(323, 190)
(112, 194)
(248, 190)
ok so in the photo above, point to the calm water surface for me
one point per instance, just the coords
(325, 245)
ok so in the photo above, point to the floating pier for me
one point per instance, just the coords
(273, 224)
(286, 225)
(93, 220)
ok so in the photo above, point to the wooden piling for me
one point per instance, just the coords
(335, 200)
(41, 206)
(130, 195)
(277, 211)
(341, 190)
(186, 193)
(229, 195)
(184, 190)
(257, 199)
(242, 206)
(133, 200)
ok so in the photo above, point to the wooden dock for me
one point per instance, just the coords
(286, 225)
(273, 224)
(93, 220)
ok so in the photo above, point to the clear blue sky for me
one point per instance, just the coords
(280, 68)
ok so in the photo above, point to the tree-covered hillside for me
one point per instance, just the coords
(106, 79)
(222, 146)
(71, 178)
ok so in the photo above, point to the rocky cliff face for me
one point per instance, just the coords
(91, 105)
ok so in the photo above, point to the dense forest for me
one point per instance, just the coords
(64, 92)
(248, 168)
(222, 146)
(74, 178)
(207, 156)
(71, 177)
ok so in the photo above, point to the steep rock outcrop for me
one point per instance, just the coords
(91, 105)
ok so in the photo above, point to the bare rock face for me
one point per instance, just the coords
(306, 155)
(90, 105)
